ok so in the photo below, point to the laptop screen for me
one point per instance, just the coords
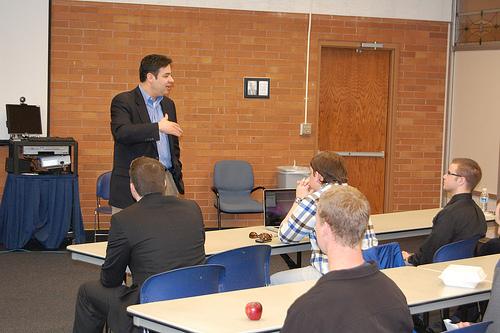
(277, 203)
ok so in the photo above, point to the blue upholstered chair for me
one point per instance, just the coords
(246, 267)
(101, 192)
(233, 184)
(183, 282)
(457, 250)
(385, 255)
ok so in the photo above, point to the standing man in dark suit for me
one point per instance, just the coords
(154, 235)
(144, 123)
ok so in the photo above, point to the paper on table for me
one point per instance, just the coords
(462, 276)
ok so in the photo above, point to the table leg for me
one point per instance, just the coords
(289, 261)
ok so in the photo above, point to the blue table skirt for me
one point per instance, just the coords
(40, 206)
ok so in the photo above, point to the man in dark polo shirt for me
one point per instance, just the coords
(460, 219)
(354, 296)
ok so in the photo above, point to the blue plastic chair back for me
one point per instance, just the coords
(474, 328)
(385, 255)
(103, 185)
(183, 282)
(457, 250)
(246, 267)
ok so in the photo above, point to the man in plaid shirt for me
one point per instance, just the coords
(327, 170)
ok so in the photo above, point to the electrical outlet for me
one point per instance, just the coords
(305, 129)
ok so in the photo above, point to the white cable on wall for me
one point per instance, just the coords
(306, 98)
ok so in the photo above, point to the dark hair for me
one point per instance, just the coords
(330, 166)
(148, 175)
(152, 64)
(470, 170)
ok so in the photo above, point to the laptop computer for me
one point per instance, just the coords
(277, 203)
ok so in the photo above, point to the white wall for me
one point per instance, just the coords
(24, 37)
(475, 121)
(430, 10)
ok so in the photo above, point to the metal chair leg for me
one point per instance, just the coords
(219, 221)
(97, 225)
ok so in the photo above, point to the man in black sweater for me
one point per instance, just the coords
(460, 219)
(354, 296)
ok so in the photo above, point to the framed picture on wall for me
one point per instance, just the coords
(256, 87)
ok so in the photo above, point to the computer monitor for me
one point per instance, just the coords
(23, 119)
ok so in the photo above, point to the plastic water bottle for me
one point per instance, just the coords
(483, 199)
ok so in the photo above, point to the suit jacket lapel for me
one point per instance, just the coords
(166, 110)
(141, 106)
(143, 112)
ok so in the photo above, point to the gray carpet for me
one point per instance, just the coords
(38, 291)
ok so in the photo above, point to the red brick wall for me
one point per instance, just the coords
(96, 49)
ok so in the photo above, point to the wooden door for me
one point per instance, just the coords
(353, 113)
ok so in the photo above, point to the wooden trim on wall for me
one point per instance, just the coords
(391, 116)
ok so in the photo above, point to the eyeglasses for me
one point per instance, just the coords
(453, 174)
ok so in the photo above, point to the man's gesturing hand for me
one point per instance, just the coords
(169, 127)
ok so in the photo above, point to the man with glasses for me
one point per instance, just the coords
(460, 219)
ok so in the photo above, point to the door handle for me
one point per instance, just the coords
(380, 154)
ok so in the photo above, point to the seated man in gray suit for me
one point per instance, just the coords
(156, 234)
(493, 309)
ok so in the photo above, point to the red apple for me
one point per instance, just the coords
(253, 310)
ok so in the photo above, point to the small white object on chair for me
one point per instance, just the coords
(449, 325)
